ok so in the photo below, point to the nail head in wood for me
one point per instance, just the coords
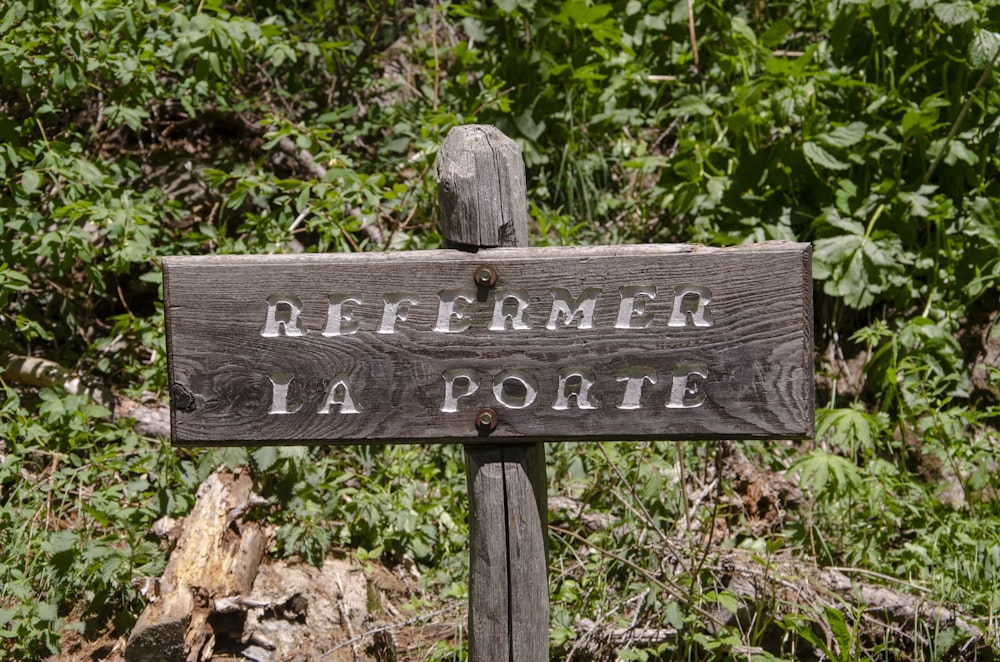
(486, 276)
(486, 420)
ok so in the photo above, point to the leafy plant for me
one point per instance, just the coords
(131, 129)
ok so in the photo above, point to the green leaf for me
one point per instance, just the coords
(265, 457)
(848, 428)
(959, 151)
(844, 136)
(918, 122)
(819, 469)
(838, 625)
(776, 33)
(831, 251)
(47, 611)
(581, 14)
(30, 181)
(673, 615)
(983, 48)
(820, 157)
(955, 13)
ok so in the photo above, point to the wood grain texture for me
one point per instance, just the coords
(508, 544)
(508, 526)
(757, 354)
(481, 189)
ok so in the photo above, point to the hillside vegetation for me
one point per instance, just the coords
(134, 129)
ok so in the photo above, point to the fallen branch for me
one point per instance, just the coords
(43, 373)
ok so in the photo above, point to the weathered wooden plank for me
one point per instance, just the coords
(508, 532)
(683, 342)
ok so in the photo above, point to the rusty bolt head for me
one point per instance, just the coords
(485, 276)
(486, 420)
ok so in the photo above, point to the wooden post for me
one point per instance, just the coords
(483, 197)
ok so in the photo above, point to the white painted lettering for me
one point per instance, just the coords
(634, 377)
(631, 312)
(458, 383)
(341, 393)
(502, 310)
(446, 310)
(339, 317)
(396, 307)
(569, 387)
(563, 305)
(282, 317)
(696, 311)
(686, 391)
(279, 394)
(515, 388)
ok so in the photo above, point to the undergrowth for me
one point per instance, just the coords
(131, 129)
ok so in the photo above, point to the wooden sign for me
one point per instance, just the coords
(505, 345)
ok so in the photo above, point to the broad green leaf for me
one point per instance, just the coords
(265, 457)
(13, 280)
(844, 136)
(47, 611)
(691, 105)
(818, 469)
(959, 151)
(918, 122)
(820, 157)
(741, 27)
(955, 13)
(831, 251)
(845, 223)
(30, 181)
(581, 14)
(673, 615)
(527, 125)
(776, 33)
(61, 541)
(983, 48)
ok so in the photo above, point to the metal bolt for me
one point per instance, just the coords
(485, 276)
(486, 420)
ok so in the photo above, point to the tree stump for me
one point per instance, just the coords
(216, 558)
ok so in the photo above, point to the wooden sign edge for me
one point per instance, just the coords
(177, 398)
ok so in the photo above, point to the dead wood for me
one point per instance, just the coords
(43, 373)
(152, 418)
(786, 589)
(214, 564)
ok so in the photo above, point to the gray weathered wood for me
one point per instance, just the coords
(508, 571)
(757, 354)
(482, 193)
(481, 189)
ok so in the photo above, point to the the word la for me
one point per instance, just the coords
(690, 307)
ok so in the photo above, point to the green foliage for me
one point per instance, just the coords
(131, 129)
